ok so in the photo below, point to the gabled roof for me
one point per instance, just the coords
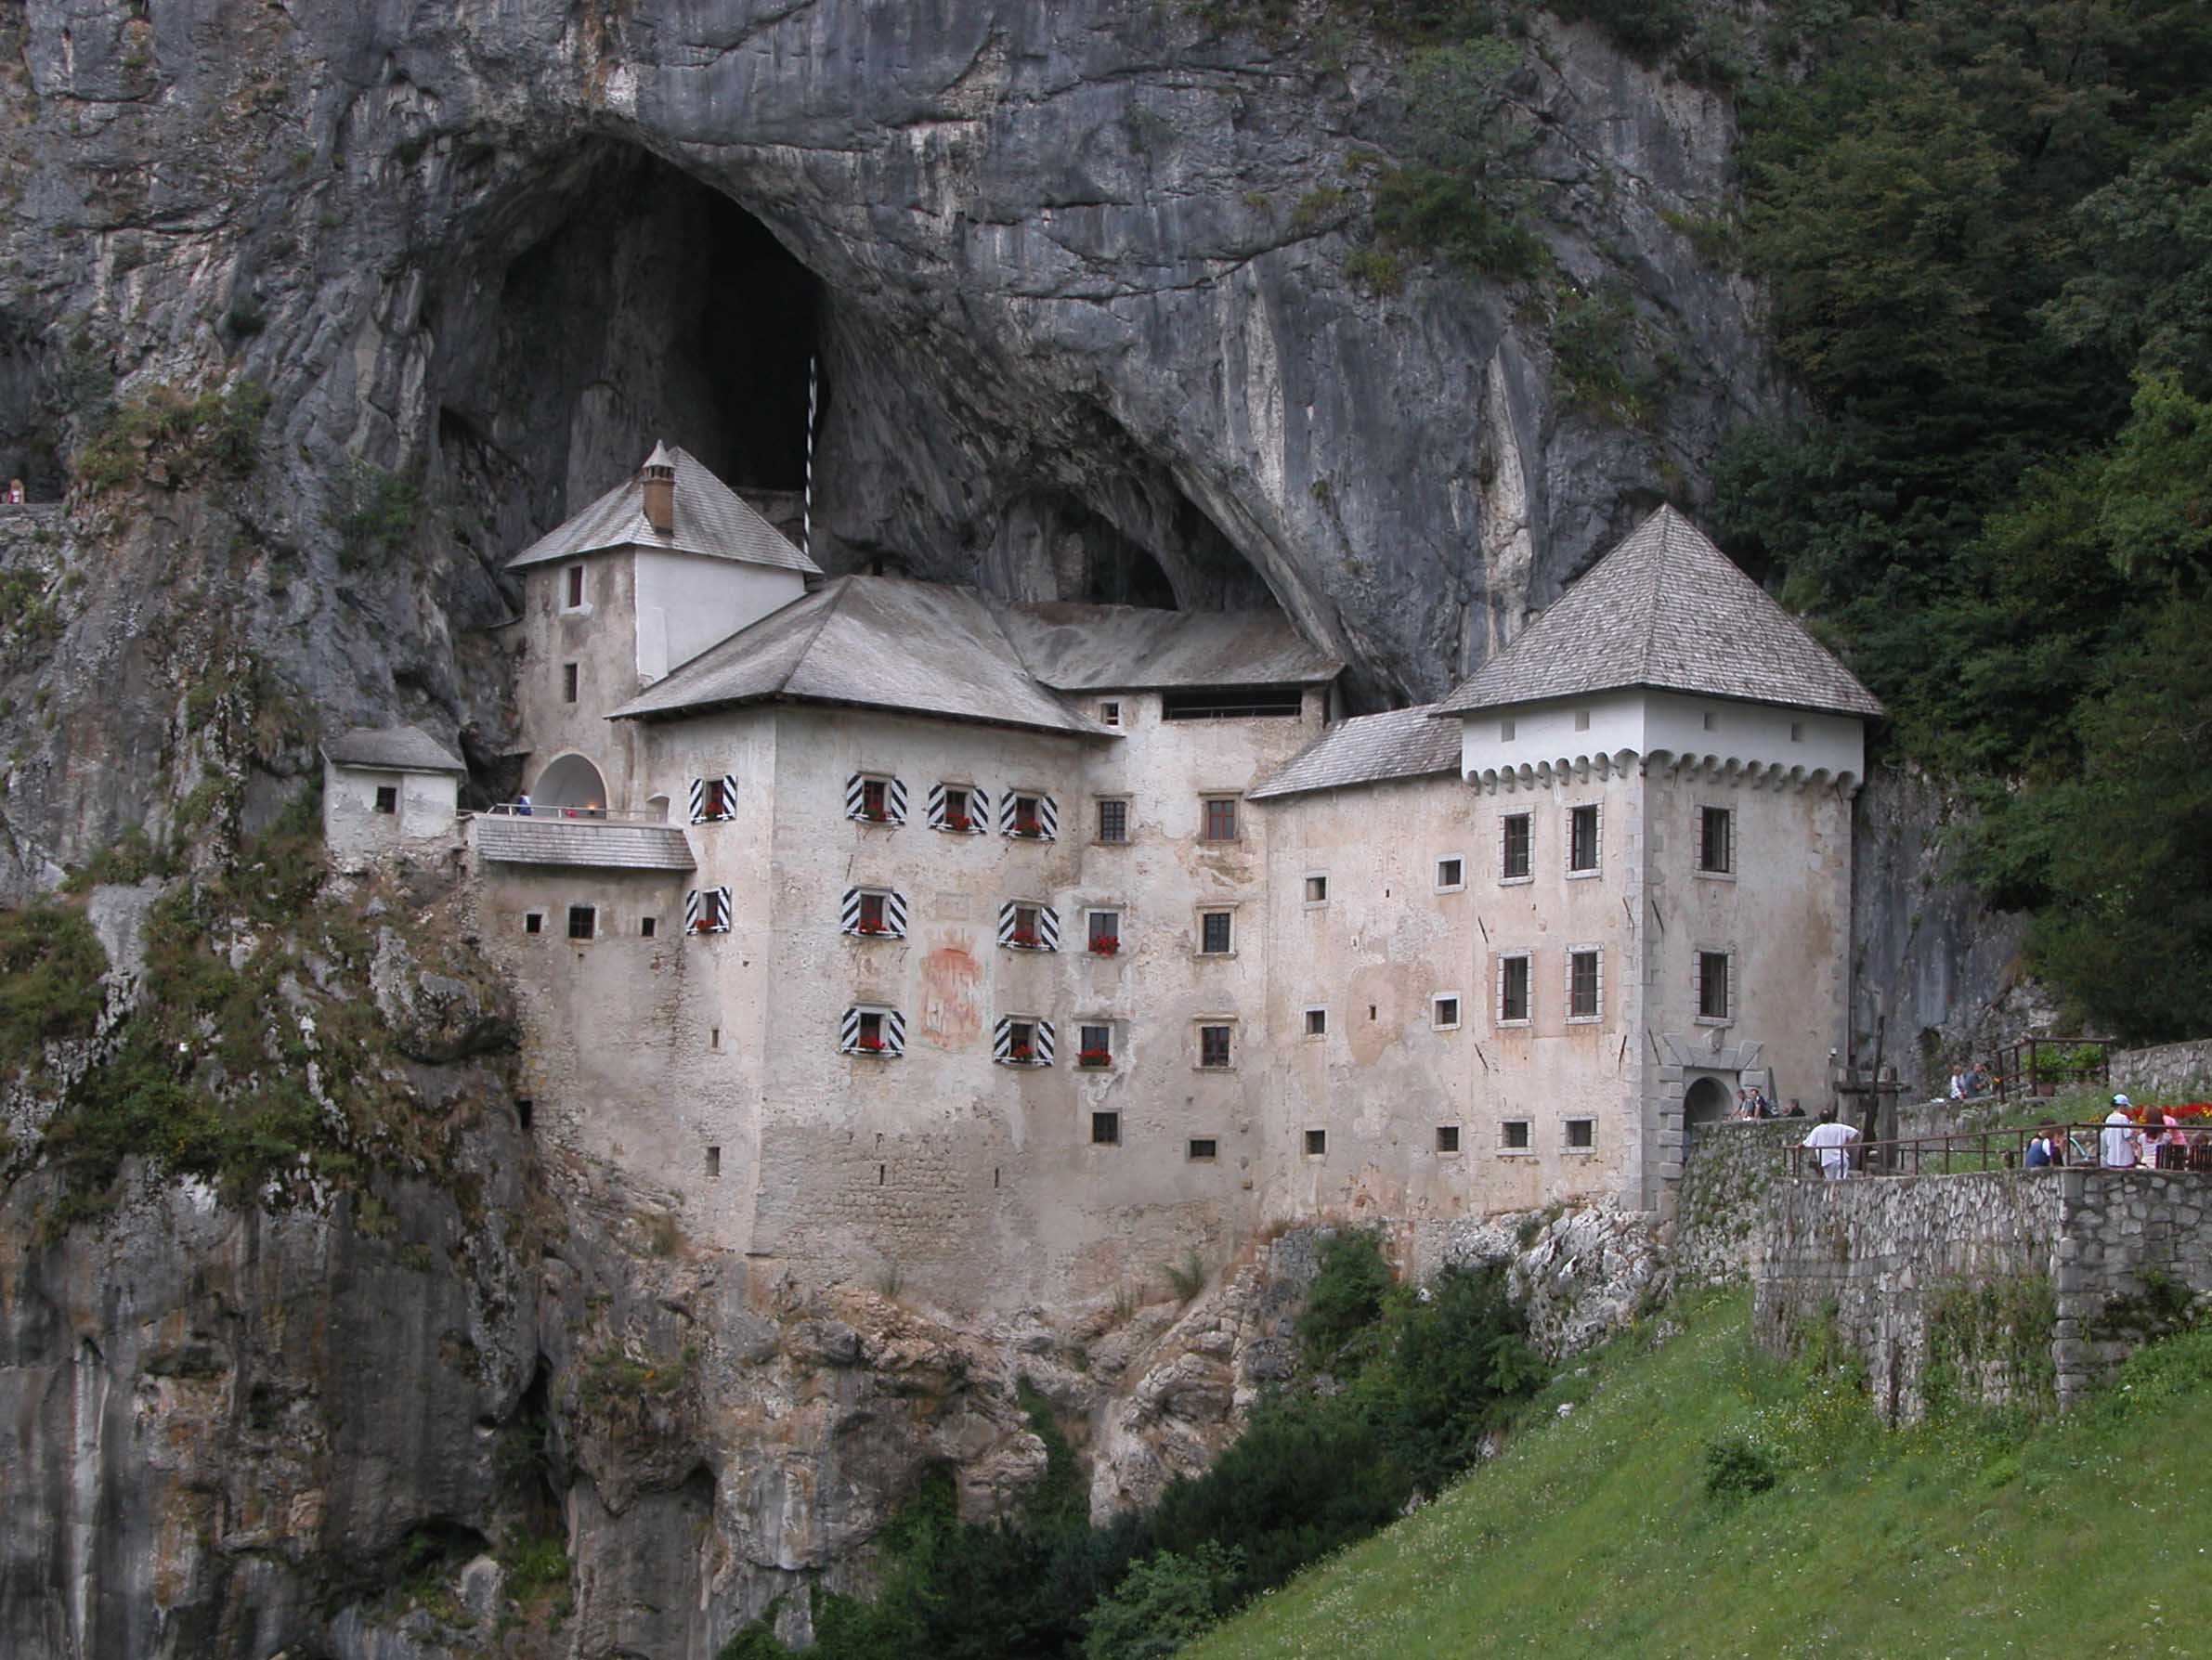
(885, 643)
(1368, 749)
(710, 520)
(1126, 648)
(390, 749)
(1668, 610)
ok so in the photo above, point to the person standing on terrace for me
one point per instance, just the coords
(2120, 1141)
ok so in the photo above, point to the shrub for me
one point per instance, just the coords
(1376, 270)
(1187, 1277)
(1163, 1603)
(1346, 1298)
(51, 965)
(372, 512)
(1735, 1468)
(184, 436)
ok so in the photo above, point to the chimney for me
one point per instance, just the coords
(660, 490)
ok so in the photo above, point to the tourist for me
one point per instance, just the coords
(14, 492)
(522, 804)
(2120, 1139)
(1977, 1082)
(1795, 1110)
(1958, 1086)
(1831, 1143)
(2042, 1149)
(2161, 1135)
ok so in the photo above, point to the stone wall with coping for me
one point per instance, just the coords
(2000, 1286)
(2165, 1071)
(1722, 1196)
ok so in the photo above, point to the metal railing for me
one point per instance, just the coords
(2033, 1064)
(592, 815)
(1967, 1151)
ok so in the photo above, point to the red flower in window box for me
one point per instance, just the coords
(958, 821)
(868, 1046)
(876, 815)
(1106, 945)
(1020, 1052)
(1095, 1058)
(705, 924)
(1023, 937)
(1030, 829)
(874, 930)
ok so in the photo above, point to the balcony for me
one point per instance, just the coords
(592, 837)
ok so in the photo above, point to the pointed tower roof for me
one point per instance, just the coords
(710, 520)
(1668, 610)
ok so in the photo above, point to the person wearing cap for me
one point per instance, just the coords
(2120, 1138)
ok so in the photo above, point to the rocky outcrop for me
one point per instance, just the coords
(1074, 277)
(1578, 1275)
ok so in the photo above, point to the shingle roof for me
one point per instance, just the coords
(1368, 750)
(1125, 648)
(878, 641)
(582, 842)
(390, 749)
(711, 519)
(1666, 609)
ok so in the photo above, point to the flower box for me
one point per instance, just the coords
(1028, 829)
(1024, 938)
(874, 930)
(1020, 1056)
(869, 1046)
(958, 821)
(875, 815)
(1095, 1058)
(1105, 948)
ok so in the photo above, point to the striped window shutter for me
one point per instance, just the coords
(849, 1032)
(1009, 920)
(704, 812)
(1002, 1040)
(936, 807)
(892, 1024)
(855, 795)
(895, 797)
(894, 911)
(979, 807)
(707, 910)
(729, 795)
(1044, 1043)
(698, 801)
(1047, 928)
(1048, 818)
(894, 1033)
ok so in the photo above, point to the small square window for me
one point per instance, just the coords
(1109, 712)
(533, 922)
(576, 586)
(1716, 840)
(1202, 1149)
(714, 1038)
(1504, 731)
(1581, 985)
(583, 922)
(1513, 1134)
(1447, 1138)
(1213, 1046)
(1581, 720)
(871, 915)
(1797, 732)
(714, 1164)
(1512, 988)
(568, 682)
(958, 814)
(1114, 822)
(1317, 1022)
(1451, 875)
(1582, 839)
(716, 804)
(648, 927)
(387, 797)
(1713, 985)
(875, 800)
(1105, 933)
(1444, 1012)
(1512, 848)
(871, 1031)
(1105, 1129)
(1221, 819)
(1581, 1135)
(1214, 937)
(1022, 1040)
(1027, 823)
(1317, 890)
(1096, 1047)
(1316, 1143)
(1713, 722)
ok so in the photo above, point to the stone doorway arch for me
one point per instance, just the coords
(1707, 1101)
(571, 781)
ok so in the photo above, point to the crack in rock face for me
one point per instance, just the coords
(1076, 330)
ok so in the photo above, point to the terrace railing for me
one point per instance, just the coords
(2044, 1066)
(592, 815)
(1967, 1151)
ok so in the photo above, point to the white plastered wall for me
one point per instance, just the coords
(427, 818)
(686, 602)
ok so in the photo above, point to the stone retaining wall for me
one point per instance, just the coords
(2004, 1286)
(1721, 1195)
(2168, 1069)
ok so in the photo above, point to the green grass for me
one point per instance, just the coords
(1637, 1526)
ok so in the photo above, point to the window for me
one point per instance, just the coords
(714, 1164)
(576, 587)
(568, 682)
(1504, 731)
(1232, 703)
(387, 797)
(1512, 1135)
(1109, 712)
(1026, 821)
(958, 808)
(583, 922)
(1582, 986)
(1582, 839)
(533, 922)
(707, 910)
(1114, 822)
(714, 800)
(1202, 1149)
(1581, 1135)
(1797, 732)
(1317, 1022)
(1447, 1138)
(1219, 821)
(1105, 933)
(1023, 1041)
(526, 1113)
(1716, 840)
(1451, 875)
(714, 1038)
(873, 914)
(1713, 985)
(1213, 1046)
(1317, 890)
(1212, 935)
(1512, 848)
(1316, 1143)
(1581, 720)
(648, 927)
(1713, 722)
(1105, 1129)
(873, 1031)
(875, 799)
(1443, 1012)
(1096, 1047)
(1023, 924)
(1513, 990)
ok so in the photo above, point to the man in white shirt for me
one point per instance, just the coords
(1831, 1142)
(2119, 1137)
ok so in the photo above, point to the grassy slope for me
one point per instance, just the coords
(1594, 1535)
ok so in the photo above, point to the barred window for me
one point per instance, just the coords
(1513, 847)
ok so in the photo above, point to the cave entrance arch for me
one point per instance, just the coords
(570, 781)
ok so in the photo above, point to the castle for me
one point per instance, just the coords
(1015, 950)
